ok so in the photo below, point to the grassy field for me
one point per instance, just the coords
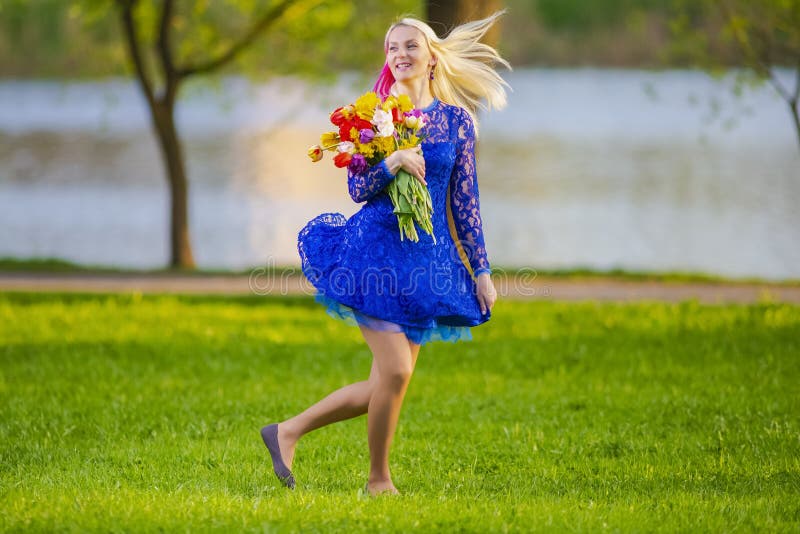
(141, 413)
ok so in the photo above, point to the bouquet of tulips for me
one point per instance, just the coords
(368, 131)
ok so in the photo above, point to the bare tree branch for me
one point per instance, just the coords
(797, 85)
(262, 24)
(776, 83)
(126, 12)
(761, 62)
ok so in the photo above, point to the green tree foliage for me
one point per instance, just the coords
(628, 33)
(581, 16)
(621, 33)
(81, 38)
(167, 42)
(764, 33)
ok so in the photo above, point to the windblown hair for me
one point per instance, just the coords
(464, 74)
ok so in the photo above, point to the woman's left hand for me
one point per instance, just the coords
(486, 292)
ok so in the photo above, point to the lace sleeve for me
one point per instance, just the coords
(364, 186)
(464, 197)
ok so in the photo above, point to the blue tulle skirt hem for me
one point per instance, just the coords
(420, 336)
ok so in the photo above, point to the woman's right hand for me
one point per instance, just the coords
(409, 159)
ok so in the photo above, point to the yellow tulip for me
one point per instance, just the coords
(389, 103)
(315, 153)
(329, 138)
(366, 104)
(404, 103)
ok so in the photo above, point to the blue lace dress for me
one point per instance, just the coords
(365, 274)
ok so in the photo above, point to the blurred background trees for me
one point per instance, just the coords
(53, 38)
(163, 43)
(759, 35)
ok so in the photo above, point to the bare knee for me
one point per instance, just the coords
(396, 378)
(393, 363)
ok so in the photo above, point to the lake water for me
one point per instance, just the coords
(590, 168)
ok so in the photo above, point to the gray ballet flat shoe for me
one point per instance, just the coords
(270, 436)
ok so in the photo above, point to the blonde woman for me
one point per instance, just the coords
(403, 294)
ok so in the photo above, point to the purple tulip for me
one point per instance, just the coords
(366, 135)
(358, 164)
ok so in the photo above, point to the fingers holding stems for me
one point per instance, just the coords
(409, 159)
(416, 164)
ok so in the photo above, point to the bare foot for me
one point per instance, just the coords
(382, 487)
(287, 444)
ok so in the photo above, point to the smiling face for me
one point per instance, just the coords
(407, 54)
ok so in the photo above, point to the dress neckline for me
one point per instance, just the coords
(431, 105)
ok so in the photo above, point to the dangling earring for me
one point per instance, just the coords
(432, 71)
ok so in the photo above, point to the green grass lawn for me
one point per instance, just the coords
(141, 413)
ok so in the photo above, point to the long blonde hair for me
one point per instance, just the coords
(464, 74)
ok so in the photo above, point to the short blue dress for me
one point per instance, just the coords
(365, 274)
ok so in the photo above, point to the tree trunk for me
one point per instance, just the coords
(443, 15)
(180, 247)
(162, 108)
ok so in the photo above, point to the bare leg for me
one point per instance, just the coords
(414, 353)
(344, 403)
(393, 354)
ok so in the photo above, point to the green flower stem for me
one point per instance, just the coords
(412, 203)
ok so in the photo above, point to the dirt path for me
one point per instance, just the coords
(540, 287)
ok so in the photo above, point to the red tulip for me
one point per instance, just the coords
(397, 116)
(342, 159)
(344, 130)
(337, 117)
(361, 124)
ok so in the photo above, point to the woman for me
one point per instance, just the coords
(403, 294)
